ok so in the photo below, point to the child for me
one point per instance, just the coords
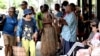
(28, 31)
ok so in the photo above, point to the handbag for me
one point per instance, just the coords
(19, 51)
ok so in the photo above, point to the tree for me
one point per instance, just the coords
(2, 4)
(48, 2)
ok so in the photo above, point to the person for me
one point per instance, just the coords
(69, 29)
(33, 11)
(93, 46)
(85, 44)
(27, 32)
(49, 36)
(80, 32)
(2, 21)
(86, 21)
(57, 12)
(64, 4)
(24, 6)
(94, 25)
(9, 31)
(39, 17)
(73, 6)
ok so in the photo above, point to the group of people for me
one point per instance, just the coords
(57, 30)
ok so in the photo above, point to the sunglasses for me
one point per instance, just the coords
(93, 25)
(29, 14)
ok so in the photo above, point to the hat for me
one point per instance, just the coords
(95, 21)
(24, 3)
(27, 11)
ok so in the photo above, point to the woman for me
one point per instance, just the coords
(49, 36)
(93, 41)
(33, 11)
(9, 31)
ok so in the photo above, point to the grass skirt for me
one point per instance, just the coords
(49, 42)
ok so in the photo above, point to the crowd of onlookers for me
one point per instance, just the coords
(64, 30)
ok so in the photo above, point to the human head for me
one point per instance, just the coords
(94, 25)
(24, 5)
(78, 11)
(28, 13)
(41, 8)
(86, 8)
(57, 7)
(64, 4)
(12, 11)
(31, 8)
(73, 6)
(68, 9)
(45, 8)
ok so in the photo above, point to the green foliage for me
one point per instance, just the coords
(2, 4)
(16, 3)
(48, 2)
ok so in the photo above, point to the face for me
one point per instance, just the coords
(11, 12)
(23, 6)
(99, 26)
(55, 8)
(68, 9)
(29, 16)
(94, 28)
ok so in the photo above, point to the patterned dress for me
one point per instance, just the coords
(49, 37)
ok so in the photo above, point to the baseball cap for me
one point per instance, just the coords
(27, 11)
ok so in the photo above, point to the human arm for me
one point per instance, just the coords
(34, 36)
(19, 30)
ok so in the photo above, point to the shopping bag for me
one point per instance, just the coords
(19, 51)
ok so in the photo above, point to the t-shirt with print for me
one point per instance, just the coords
(27, 30)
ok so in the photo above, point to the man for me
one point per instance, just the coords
(28, 31)
(69, 29)
(9, 31)
(64, 4)
(24, 6)
(57, 12)
(39, 17)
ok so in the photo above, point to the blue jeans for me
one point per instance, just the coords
(67, 46)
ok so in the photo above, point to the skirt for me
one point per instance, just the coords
(49, 42)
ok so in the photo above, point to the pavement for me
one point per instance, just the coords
(1, 45)
(38, 53)
(38, 47)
